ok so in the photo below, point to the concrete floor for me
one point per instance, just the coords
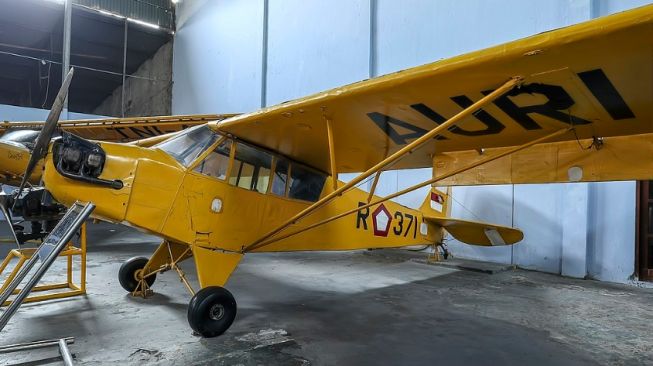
(353, 308)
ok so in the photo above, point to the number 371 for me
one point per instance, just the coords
(404, 224)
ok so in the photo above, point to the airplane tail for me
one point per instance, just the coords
(436, 210)
(437, 203)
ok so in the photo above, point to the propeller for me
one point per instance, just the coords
(44, 137)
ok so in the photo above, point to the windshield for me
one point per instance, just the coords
(189, 144)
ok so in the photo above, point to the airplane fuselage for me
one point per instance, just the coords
(179, 203)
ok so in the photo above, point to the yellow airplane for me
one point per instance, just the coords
(570, 105)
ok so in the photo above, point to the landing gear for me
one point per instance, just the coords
(439, 253)
(211, 311)
(130, 275)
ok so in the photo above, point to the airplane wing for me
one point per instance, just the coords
(595, 77)
(122, 129)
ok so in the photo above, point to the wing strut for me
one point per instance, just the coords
(332, 153)
(506, 87)
(414, 187)
(374, 183)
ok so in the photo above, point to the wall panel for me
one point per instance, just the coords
(217, 58)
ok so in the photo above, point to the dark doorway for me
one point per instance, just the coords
(645, 230)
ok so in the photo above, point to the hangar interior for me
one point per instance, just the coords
(162, 57)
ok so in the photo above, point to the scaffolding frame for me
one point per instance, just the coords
(72, 289)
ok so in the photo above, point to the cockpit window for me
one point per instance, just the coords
(280, 178)
(217, 162)
(251, 169)
(305, 184)
(302, 184)
(189, 144)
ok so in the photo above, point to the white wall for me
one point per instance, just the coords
(411, 33)
(611, 234)
(217, 57)
(316, 45)
(604, 7)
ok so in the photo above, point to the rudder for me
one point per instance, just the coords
(437, 203)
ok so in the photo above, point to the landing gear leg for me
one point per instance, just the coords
(131, 276)
(439, 253)
(211, 311)
(138, 274)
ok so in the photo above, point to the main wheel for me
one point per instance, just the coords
(211, 311)
(129, 273)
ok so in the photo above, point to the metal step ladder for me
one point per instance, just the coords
(47, 253)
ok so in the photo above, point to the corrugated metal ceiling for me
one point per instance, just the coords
(159, 12)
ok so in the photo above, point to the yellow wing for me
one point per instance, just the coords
(595, 76)
(122, 129)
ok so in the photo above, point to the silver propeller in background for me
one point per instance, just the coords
(43, 140)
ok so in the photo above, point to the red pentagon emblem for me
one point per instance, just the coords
(381, 219)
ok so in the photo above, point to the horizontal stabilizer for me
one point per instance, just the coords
(478, 233)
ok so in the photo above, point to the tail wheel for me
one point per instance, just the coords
(211, 311)
(130, 274)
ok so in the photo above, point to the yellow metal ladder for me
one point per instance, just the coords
(70, 251)
(47, 253)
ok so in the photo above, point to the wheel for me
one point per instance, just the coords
(129, 270)
(211, 311)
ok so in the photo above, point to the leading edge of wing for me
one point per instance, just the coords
(123, 129)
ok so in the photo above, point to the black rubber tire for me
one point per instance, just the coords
(211, 311)
(126, 274)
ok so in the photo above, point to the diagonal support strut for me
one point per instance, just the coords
(503, 89)
(332, 153)
(416, 186)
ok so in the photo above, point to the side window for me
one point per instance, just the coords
(280, 178)
(305, 184)
(217, 162)
(251, 169)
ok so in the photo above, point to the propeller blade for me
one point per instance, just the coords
(43, 140)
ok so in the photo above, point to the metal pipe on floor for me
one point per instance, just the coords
(65, 353)
(10, 348)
